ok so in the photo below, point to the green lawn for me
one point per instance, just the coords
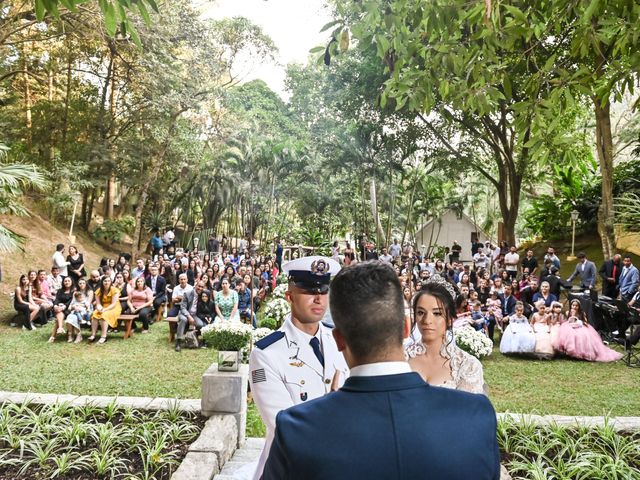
(143, 365)
(146, 365)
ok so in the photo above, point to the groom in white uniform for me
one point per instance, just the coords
(300, 361)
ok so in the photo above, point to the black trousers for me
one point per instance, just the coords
(144, 315)
(25, 313)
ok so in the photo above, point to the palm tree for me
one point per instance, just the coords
(14, 179)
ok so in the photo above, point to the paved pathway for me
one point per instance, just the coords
(249, 453)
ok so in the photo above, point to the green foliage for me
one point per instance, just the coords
(270, 323)
(573, 185)
(115, 13)
(555, 451)
(114, 230)
(59, 440)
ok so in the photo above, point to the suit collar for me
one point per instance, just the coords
(384, 383)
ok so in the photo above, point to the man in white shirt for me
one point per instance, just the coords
(139, 270)
(394, 249)
(168, 237)
(59, 260)
(55, 281)
(480, 260)
(511, 261)
(178, 293)
(385, 257)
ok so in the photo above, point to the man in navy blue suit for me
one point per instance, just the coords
(385, 422)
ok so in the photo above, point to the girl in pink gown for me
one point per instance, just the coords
(540, 322)
(556, 318)
(578, 339)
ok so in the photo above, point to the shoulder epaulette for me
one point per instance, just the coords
(269, 339)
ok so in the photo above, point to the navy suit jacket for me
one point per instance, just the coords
(391, 427)
(161, 286)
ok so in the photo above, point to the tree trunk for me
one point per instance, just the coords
(604, 149)
(110, 192)
(51, 153)
(152, 177)
(27, 99)
(381, 240)
(65, 117)
(408, 222)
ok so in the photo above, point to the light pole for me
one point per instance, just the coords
(574, 218)
(196, 240)
(76, 199)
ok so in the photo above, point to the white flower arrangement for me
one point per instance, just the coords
(282, 279)
(473, 341)
(279, 291)
(277, 308)
(227, 336)
(260, 333)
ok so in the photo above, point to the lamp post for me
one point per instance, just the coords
(574, 218)
(196, 240)
(76, 199)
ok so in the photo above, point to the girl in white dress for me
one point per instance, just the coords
(518, 337)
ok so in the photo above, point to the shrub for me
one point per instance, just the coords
(114, 230)
(227, 336)
(269, 322)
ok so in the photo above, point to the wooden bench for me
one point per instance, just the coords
(127, 320)
(173, 328)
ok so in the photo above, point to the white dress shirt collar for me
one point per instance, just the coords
(380, 368)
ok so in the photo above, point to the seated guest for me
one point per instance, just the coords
(123, 286)
(245, 308)
(206, 308)
(94, 281)
(107, 310)
(61, 306)
(54, 280)
(556, 318)
(140, 269)
(187, 315)
(140, 303)
(436, 357)
(526, 295)
(386, 417)
(545, 295)
(508, 302)
(89, 295)
(518, 337)
(577, 339)
(515, 289)
(24, 304)
(41, 296)
(227, 303)
(541, 323)
(494, 312)
(158, 286)
(79, 314)
(178, 293)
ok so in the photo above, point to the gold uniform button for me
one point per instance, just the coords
(327, 381)
(301, 382)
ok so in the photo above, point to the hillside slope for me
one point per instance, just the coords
(41, 238)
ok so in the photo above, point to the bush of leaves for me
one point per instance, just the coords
(558, 452)
(61, 441)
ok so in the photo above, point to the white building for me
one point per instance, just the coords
(442, 231)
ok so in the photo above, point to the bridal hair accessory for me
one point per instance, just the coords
(438, 279)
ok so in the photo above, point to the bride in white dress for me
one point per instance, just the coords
(435, 355)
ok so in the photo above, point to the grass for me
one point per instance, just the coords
(143, 365)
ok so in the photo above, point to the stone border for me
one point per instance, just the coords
(618, 423)
(140, 403)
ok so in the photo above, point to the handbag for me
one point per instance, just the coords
(190, 339)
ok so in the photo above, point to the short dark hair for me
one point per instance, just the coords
(367, 307)
(626, 255)
(581, 255)
(59, 247)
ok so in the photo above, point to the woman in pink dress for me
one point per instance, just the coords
(578, 339)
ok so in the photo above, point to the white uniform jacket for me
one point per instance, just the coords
(284, 372)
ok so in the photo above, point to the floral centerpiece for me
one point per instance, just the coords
(282, 279)
(473, 341)
(277, 308)
(279, 291)
(259, 333)
(229, 338)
